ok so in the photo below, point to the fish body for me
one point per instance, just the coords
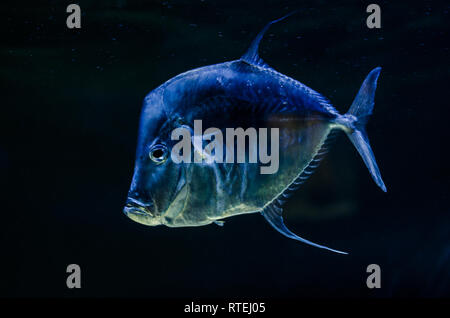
(244, 93)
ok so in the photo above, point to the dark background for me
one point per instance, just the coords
(69, 113)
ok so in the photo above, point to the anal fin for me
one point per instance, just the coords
(273, 211)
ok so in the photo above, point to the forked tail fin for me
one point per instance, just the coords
(356, 119)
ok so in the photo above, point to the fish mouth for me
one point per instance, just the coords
(140, 212)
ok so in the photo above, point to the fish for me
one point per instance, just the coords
(243, 93)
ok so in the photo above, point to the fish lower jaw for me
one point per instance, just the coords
(142, 217)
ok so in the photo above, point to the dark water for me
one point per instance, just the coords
(70, 108)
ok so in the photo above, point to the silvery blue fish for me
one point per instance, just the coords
(241, 93)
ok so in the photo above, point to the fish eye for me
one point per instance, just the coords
(158, 154)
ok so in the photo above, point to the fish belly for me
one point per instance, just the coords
(222, 190)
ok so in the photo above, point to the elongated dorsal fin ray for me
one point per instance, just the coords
(273, 212)
(252, 56)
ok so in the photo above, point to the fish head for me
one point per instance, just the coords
(158, 188)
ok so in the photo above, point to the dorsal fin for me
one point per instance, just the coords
(273, 211)
(251, 56)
